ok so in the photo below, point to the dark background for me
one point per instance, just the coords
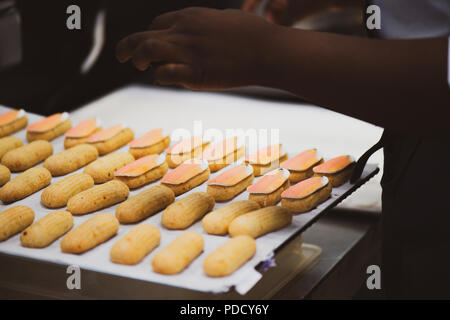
(48, 79)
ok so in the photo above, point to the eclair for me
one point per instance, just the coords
(260, 222)
(231, 182)
(306, 195)
(266, 159)
(27, 156)
(230, 256)
(179, 254)
(268, 189)
(142, 171)
(338, 170)
(5, 175)
(223, 153)
(111, 139)
(49, 128)
(186, 176)
(81, 132)
(185, 149)
(25, 184)
(102, 169)
(9, 143)
(90, 233)
(12, 121)
(300, 166)
(71, 159)
(153, 142)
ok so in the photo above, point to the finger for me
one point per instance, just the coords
(165, 21)
(276, 10)
(126, 47)
(250, 5)
(175, 74)
(154, 50)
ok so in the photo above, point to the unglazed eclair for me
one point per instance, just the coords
(71, 159)
(25, 184)
(267, 190)
(187, 176)
(5, 175)
(301, 166)
(98, 197)
(153, 142)
(57, 194)
(260, 222)
(9, 143)
(218, 221)
(135, 245)
(49, 128)
(144, 204)
(223, 153)
(230, 256)
(185, 212)
(89, 234)
(306, 195)
(185, 149)
(102, 169)
(338, 170)
(46, 230)
(266, 159)
(27, 156)
(231, 182)
(111, 139)
(179, 254)
(12, 121)
(14, 220)
(142, 171)
(81, 132)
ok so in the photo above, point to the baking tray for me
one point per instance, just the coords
(191, 278)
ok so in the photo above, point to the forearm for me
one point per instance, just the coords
(397, 84)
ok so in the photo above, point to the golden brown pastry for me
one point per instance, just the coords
(338, 170)
(301, 166)
(153, 142)
(306, 195)
(49, 128)
(187, 176)
(223, 153)
(142, 171)
(231, 182)
(111, 139)
(266, 159)
(81, 132)
(12, 121)
(267, 190)
(185, 149)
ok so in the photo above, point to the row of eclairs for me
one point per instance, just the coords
(301, 183)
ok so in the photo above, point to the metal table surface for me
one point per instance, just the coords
(348, 236)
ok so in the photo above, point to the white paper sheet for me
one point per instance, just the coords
(193, 277)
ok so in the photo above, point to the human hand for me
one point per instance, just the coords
(201, 49)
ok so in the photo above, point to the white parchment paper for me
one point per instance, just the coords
(192, 277)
